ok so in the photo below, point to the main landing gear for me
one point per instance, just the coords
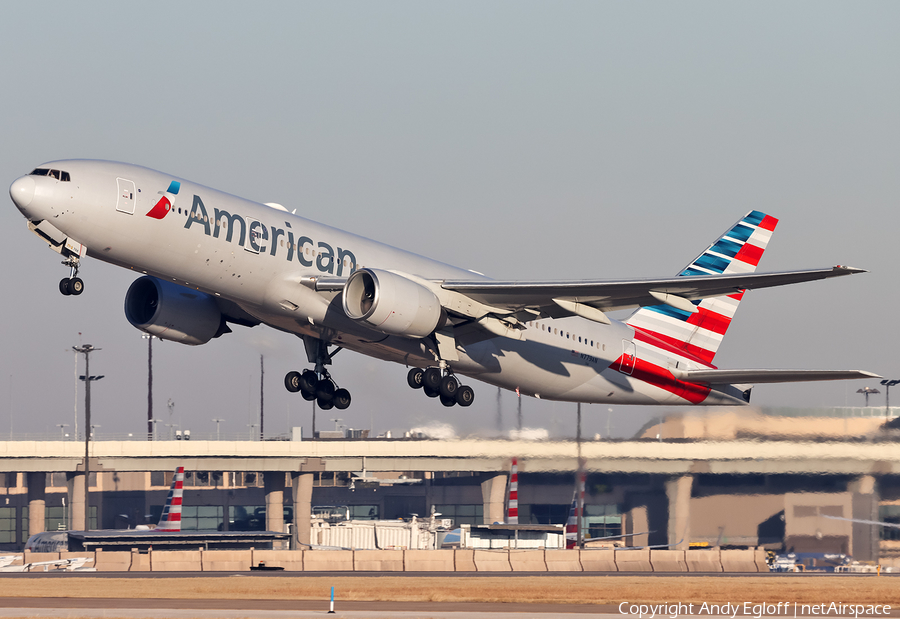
(441, 383)
(322, 389)
(317, 384)
(71, 285)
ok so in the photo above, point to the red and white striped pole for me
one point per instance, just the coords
(512, 509)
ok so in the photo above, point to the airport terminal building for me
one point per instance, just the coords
(787, 480)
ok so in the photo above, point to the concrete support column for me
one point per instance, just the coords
(493, 493)
(274, 485)
(301, 489)
(37, 503)
(638, 522)
(865, 542)
(75, 485)
(678, 491)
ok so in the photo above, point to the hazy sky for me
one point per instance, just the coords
(523, 140)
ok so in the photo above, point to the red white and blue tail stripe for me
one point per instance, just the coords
(171, 515)
(697, 336)
(512, 506)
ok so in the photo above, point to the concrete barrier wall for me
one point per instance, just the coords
(290, 560)
(536, 560)
(328, 560)
(176, 561)
(464, 560)
(527, 560)
(759, 556)
(707, 560)
(562, 560)
(633, 560)
(738, 560)
(428, 561)
(225, 560)
(112, 561)
(492, 561)
(140, 561)
(601, 560)
(668, 560)
(378, 560)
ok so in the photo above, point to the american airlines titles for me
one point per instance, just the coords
(262, 239)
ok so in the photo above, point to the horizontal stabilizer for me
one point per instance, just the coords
(720, 377)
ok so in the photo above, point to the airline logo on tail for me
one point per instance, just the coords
(170, 521)
(696, 335)
(162, 208)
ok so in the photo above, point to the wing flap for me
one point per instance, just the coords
(717, 377)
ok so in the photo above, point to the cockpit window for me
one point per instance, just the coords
(57, 174)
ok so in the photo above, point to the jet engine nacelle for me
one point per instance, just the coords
(172, 312)
(391, 303)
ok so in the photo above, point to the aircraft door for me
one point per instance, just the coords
(125, 201)
(626, 363)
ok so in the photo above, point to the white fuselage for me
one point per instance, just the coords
(257, 257)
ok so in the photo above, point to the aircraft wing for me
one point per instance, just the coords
(717, 377)
(561, 298)
(879, 523)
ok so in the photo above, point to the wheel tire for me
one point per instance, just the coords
(64, 286)
(325, 389)
(431, 393)
(449, 387)
(308, 381)
(325, 404)
(309, 397)
(447, 401)
(465, 396)
(292, 382)
(415, 377)
(432, 378)
(341, 399)
(76, 286)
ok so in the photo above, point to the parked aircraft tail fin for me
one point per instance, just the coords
(171, 514)
(697, 334)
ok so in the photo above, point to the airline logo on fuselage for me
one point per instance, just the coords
(256, 237)
(162, 208)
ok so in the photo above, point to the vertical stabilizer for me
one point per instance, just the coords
(171, 514)
(696, 336)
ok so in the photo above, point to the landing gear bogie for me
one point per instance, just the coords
(439, 382)
(317, 385)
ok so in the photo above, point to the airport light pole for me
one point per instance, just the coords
(867, 391)
(62, 430)
(86, 350)
(887, 395)
(149, 339)
(218, 421)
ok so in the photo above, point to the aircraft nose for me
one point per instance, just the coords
(22, 192)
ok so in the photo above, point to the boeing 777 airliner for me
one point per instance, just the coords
(211, 259)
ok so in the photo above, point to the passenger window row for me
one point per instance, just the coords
(567, 335)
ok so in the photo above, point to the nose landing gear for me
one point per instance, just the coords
(441, 383)
(72, 285)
